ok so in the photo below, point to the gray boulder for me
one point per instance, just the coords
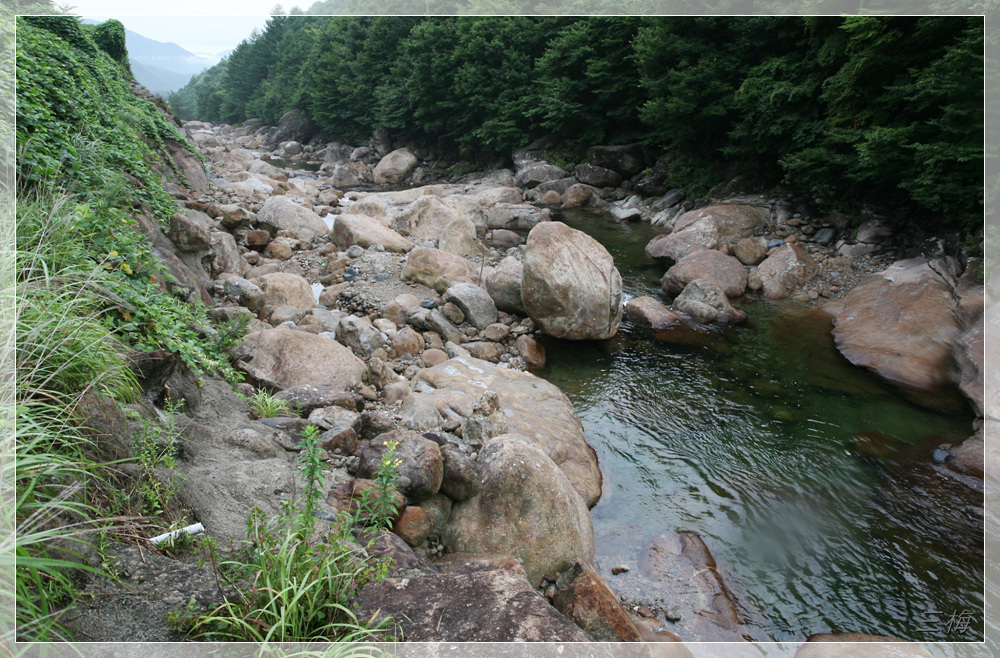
(280, 213)
(474, 302)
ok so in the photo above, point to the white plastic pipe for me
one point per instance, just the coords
(189, 530)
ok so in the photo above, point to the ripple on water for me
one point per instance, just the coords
(808, 478)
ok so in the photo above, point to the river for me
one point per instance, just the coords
(808, 478)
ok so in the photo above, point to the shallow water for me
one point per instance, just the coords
(810, 481)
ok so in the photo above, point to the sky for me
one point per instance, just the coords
(220, 26)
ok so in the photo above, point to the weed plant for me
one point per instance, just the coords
(266, 405)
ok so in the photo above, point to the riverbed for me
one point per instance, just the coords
(809, 479)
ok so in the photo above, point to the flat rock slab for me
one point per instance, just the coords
(474, 600)
(534, 408)
(285, 357)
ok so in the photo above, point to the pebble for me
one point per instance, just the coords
(940, 456)
(428, 303)
(355, 251)
(775, 243)
(382, 277)
(619, 570)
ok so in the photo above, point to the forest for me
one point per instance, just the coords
(886, 110)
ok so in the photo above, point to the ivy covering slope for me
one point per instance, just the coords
(884, 110)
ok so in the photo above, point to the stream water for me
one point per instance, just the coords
(808, 478)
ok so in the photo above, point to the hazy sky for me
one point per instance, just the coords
(221, 24)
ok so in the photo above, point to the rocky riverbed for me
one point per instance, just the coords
(414, 316)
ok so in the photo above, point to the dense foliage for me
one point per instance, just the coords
(885, 109)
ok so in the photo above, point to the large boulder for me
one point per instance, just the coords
(293, 126)
(626, 159)
(707, 303)
(534, 408)
(902, 324)
(395, 167)
(426, 218)
(280, 213)
(284, 357)
(476, 599)
(286, 289)
(597, 176)
(526, 508)
(349, 229)
(786, 270)
(438, 269)
(707, 228)
(504, 285)
(513, 216)
(420, 466)
(570, 286)
(535, 173)
(709, 265)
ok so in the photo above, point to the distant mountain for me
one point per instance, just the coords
(161, 67)
(159, 81)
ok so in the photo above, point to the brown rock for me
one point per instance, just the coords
(551, 198)
(650, 312)
(414, 526)
(284, 357)
(902, 325)
(786, 270)
(284, 289)
(969, 353)
(708, 265)
(577, 196)
(399, 308)
(257, 239)
(531, 351)
(585, 598)
(496, 332)
(475, 600)
(365, 231)
(340, 441)
(707, 228)
(750, 251)
(484, 350)
(433, 357)
(278, 251)
(408, 341)
(438, 269)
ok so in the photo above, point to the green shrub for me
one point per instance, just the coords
(266, 405)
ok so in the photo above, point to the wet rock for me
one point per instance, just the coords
(533, 407)
(475, 600)
(349, 229)
(587, 600)
(682, 559)
(474, 302)
(706, 265)
(284, 289)
(421, 467)
(438, 269)
(707, 228)
(651, 312)
(526, 508)
(419, 413)
(504, 285)
(395, 167)
(413, 526)
(284, 357)
(902, 325)
(461, 474)
(970, 455)
(531, 351)
(570, 286)
(706, 303)
(280, 213)
(786, 270)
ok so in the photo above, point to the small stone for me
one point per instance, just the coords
(550, 592)
(428, 303)
(619, 570)
(356, 251)
(382, 277)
